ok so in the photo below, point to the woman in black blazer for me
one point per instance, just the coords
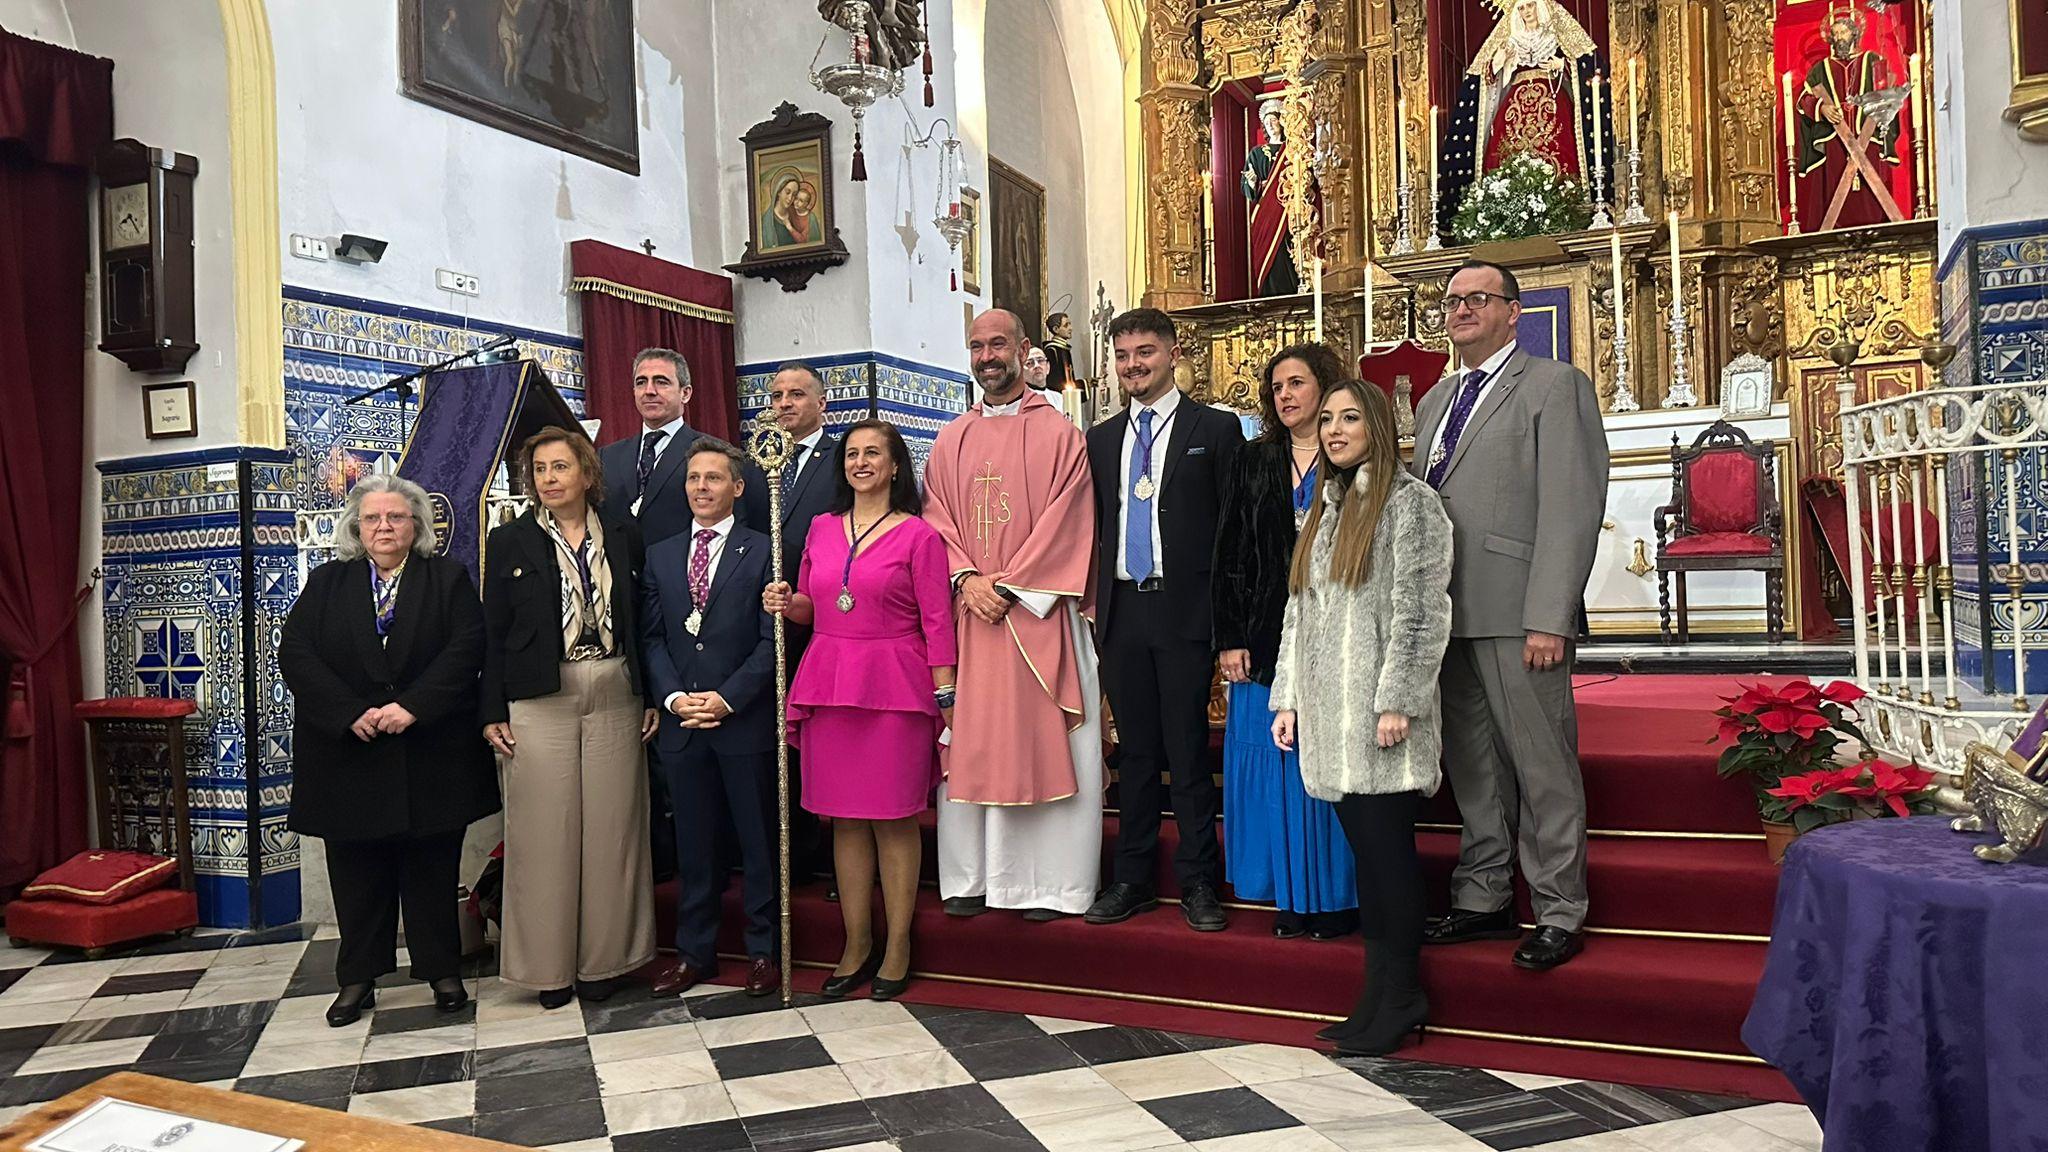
(382, 652)
(563, 707)
(1285, 845)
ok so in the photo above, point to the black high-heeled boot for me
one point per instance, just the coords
(1403, 1009)
(349, 1005)
(1369, 996)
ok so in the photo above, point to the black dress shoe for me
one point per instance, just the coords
(1203, 912)
(887, 989)
(1461, 926)
(837, 986)
(1043, 915)
(555, 998)
(1332, 925)
(1289, 926)
(449, 995)
(1547, 947)
(349, 1005)
(1119, 903)
(964, 906)
(596, 991)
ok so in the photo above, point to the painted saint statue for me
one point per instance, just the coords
(1272, 245)
(1529, 90)
(1827, 110)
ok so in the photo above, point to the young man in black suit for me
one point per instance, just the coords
(645, 470)
(1159, 470)
(796, 394)
(711, 666)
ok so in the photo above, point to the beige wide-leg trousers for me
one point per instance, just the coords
(579, 891)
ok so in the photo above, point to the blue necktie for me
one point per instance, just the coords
(1138, 513)
(1454, 425)
(649, 453)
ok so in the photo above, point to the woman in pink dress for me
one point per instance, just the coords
(873, 693)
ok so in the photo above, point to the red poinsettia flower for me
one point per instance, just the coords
(1802, 720)
(1732, 727)
(1893, 784)
(1798, 692)
(1807, 787)
(1843, 692)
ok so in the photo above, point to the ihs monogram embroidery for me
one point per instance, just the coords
(991, 506)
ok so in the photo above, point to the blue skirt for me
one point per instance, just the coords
(1281, 843)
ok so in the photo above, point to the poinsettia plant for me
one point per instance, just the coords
(1870, 787)
(1789, 730)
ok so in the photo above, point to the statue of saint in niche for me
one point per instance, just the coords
(1272, 245)
(1530, 89)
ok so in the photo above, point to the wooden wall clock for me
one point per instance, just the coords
(147, 314)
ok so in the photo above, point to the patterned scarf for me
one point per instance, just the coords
(586, 603)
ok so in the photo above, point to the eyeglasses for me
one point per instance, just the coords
(1478, 301)
(394, 519)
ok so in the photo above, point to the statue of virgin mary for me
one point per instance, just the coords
(1529, 89)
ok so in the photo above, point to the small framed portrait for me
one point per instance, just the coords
(168, 410)
(1746, 386)
(791, 234)
(970, 248)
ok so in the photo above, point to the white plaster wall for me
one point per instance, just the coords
(1035, 128)
(1986, 173)
(355, 155)
(38, 20)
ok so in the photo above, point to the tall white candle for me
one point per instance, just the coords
(1676, 282)
(1634, 143)
(1435, 175)
(1620, 298)
(1599, 137)
(1368, 307)
(1401, 142)
(1318, 273)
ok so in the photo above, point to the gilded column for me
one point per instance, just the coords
(1173, 113)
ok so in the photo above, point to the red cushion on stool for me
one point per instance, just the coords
(103, 877)
(134, 708)
(1720, 544)
(72, 925)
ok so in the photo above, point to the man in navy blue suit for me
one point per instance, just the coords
(711, 664)
(646, 470)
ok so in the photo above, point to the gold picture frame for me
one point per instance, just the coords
(2028, 105)
(970, 248)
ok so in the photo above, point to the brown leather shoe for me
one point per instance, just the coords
(679, 977)
(763, 977)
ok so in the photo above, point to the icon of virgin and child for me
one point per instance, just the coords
(791, 220)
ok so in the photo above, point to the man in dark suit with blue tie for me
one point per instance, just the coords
(646, 470)
(1159, 470)
(796, 394)
(711, 665)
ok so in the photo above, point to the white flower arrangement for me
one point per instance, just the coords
(1525, 196)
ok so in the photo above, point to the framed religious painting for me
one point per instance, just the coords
(1016, 213)
(791, 234)
(970, 248)
(2029, 104)
(556, 71)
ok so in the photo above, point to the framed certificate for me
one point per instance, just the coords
(168, 410)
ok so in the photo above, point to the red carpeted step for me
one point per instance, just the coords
(1704, 886)
(1622, 990)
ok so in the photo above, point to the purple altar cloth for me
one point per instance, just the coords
(1905, 995)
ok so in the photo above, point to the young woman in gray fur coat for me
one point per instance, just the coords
(1368, 618)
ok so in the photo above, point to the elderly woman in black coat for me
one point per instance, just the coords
(382, 652)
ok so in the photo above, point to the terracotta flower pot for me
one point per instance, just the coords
(1777, 838)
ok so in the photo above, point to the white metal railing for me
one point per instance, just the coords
(1896, 454)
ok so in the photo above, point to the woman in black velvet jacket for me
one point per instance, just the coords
(1285, 846)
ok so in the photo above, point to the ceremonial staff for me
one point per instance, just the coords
(769, 445)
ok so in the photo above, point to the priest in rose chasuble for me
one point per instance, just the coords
(1530, 89)
(1834, 81)
(1007, 487)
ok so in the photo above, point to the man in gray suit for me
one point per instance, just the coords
(1515, 446)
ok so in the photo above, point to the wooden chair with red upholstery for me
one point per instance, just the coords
(1724, 516)
(138, 883)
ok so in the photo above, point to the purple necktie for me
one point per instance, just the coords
(1454, 426)
(700, 568)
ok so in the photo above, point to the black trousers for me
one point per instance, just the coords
(1158, 684)
(1381, 831)
(372, 880)
(706, 787)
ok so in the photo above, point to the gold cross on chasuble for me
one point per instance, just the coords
(991, 505)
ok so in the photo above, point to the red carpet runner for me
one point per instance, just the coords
(1658, 998)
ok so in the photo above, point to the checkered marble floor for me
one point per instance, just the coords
(719, 1070)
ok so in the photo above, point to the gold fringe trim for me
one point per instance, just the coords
(650, 299)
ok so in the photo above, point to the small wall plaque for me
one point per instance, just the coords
(169, 411)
